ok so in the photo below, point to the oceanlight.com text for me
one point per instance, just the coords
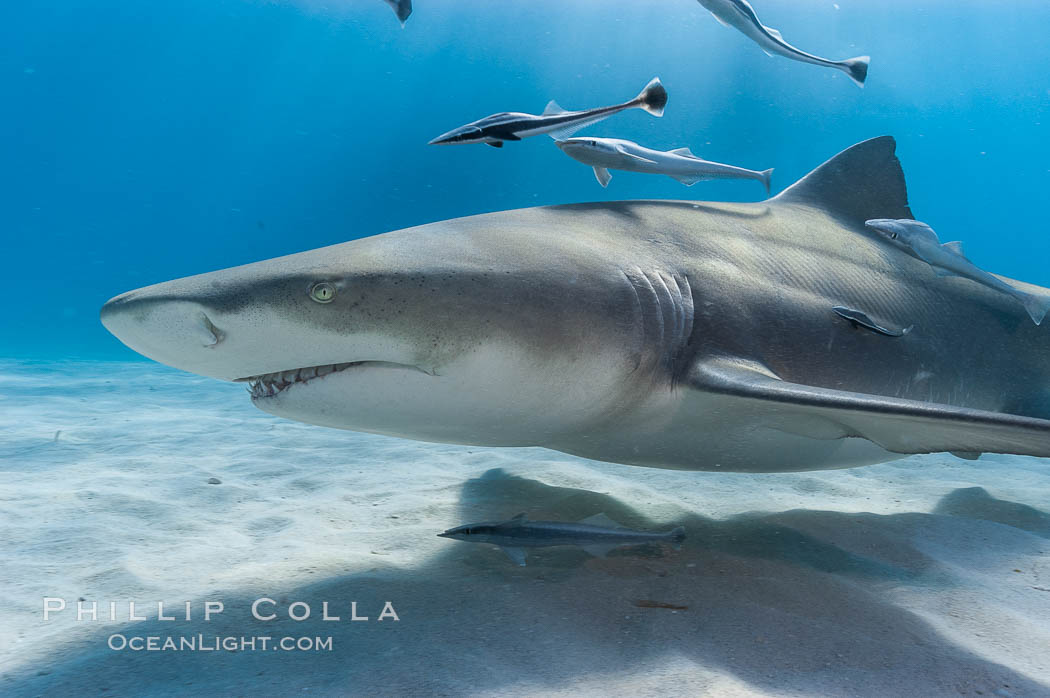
(217, 643)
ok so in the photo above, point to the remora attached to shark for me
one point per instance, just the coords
(740, 15)
(604, 154)
(597, 535)
(555, 121)
(920, 241)
(695, 336)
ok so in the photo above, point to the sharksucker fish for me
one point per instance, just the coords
(671, 334)
(740, 15)
(604, 154)
(555, 121)
(920, 241)
(597, 535)
(857, 317)
(401, 8)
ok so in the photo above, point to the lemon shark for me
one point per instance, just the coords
(671, 334)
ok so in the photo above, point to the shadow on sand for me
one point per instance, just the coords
(792, 602)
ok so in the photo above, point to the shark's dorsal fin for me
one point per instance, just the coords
(955, 247)
(860, 183)
(552, 108)
(685, 152)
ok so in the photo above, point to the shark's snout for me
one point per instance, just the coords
(170, 329)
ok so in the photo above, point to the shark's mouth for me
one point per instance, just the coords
(269, 384)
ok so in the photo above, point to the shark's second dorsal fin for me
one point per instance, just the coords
(860, 183)
(683, 151)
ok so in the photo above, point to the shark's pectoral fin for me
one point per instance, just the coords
(495, 144)
(895, 424)
(602, 175)
(517, 555)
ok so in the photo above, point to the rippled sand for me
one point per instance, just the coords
(929, 576)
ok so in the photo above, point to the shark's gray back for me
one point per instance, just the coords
(765, 277)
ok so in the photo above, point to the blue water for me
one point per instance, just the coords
(144, 141)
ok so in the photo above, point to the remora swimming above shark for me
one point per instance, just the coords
(695, 336)
(740, 15)
(555, 121)
(604, 154)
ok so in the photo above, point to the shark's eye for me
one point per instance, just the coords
(323, 292)
(893, 236)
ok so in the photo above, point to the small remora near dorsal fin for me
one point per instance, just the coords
(600, 520)
(553, 108)
(862, 182)
(684, 152)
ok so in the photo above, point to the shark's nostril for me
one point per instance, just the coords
(210, 335)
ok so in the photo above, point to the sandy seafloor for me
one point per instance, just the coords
(928, 576)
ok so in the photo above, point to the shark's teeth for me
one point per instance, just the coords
(270, 384)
